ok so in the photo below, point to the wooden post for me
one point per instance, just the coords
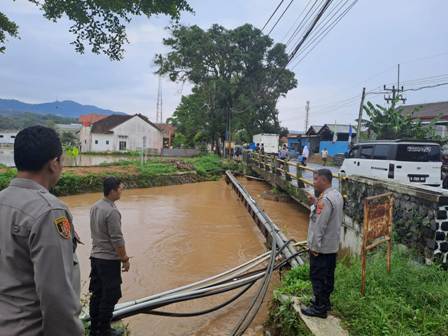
(274, 165)
(286, 170)
(298, 172)
(389, 242)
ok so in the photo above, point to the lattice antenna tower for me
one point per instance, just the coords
(159, 111)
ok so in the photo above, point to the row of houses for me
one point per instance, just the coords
(336, 138)
(112, 133)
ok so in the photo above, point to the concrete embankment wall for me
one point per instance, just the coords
(420, 218)
(71, 185)
(420, 213)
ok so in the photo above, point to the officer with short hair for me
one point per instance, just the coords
(39, 286)
(323, 241)
(107, 256)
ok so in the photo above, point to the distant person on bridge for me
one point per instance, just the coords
(324, 155)
(323, 241)
(283, 155)
(108, 254)
(262, 149)
(305, 155)
(40, 280)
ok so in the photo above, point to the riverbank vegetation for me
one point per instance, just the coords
(411, 300)
(135, 174)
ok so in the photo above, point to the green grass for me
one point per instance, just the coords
(283, 321)
(411, 300)
(6, 177)
(209, 167)
(207, 164)
(156, 168)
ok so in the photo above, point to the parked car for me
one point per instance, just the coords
(398, 160)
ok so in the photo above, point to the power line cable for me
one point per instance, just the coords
(324, 33)
(427, 87)
(296, 21)
(309, 30)
(326, 21)
(308, 15)
(280, 17)
(272, 15)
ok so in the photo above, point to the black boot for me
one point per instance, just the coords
(313, 302)
(314, 311)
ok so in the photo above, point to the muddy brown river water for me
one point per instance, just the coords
(181, 234)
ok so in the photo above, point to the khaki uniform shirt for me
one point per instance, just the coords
(39, 273)
(325, 222)
(105, 228)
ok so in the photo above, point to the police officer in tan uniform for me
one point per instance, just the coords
(39, 286)
(108, 256)
(323, 241)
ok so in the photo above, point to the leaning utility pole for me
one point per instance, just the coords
(307, 109)
(396, 92)
(361, 106)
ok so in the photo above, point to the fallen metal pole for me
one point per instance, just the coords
(264, 222)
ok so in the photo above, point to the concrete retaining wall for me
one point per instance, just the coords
(420, 212)
(180, 152)
(420, 216)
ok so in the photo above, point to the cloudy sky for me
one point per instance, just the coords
(362, 50)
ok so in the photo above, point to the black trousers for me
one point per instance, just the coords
(105, 282)
(322, 269)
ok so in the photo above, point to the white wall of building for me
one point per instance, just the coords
(132, 132)
(8, 137)
(102, 142)
(85, 139)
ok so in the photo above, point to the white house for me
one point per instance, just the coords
(121, 133)
(8, 137)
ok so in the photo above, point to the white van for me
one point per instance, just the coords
(399, 160)
(270, 142)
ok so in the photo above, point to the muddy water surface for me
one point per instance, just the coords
(181, 234)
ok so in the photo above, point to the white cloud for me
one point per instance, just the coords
(43, 66)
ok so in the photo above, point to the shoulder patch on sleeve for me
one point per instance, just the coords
(320, 206)
(63, 227)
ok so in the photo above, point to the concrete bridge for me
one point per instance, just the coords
(420, 212)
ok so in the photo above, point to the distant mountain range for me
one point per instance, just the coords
(66, 108)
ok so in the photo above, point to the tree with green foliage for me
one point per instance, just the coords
(390, 123)
(98, 23)
(180, 140)
(20, 120)
(69, 139)
(238, 75)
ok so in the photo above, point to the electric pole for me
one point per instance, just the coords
(307, 109)
(396, 91)
(361, 105)
(159, 113)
